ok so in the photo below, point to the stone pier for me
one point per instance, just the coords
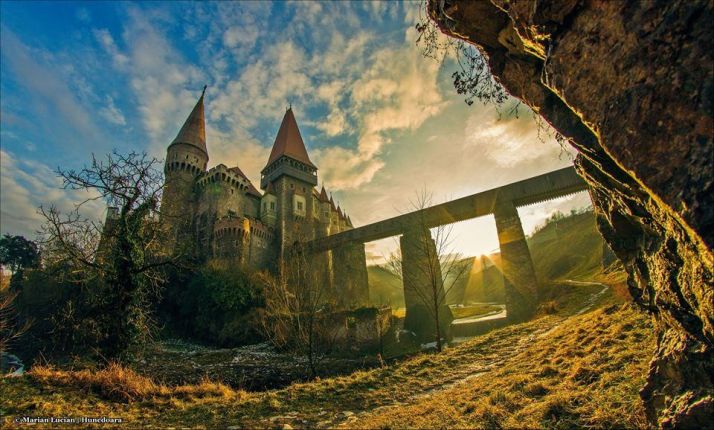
(422, 279)
(519, 275)
(349, 263)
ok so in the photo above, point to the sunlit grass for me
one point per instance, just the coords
(554, 372)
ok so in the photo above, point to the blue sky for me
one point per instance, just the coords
(379, 119)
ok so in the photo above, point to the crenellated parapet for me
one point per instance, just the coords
(226, 175)
(218, 213)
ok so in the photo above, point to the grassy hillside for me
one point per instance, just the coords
(384, 287)
(566, 248)
(558, 371)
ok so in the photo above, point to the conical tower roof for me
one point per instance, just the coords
(323, 195)
(193, 131)
(289, 142)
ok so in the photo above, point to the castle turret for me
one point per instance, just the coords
(292, 175)
(269, 206)
(324, 208)
(186, 158)
(289, 156)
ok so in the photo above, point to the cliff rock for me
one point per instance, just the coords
(631, 85)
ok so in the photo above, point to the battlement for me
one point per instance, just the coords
(177, 166)
(238, 226)
(221, 173)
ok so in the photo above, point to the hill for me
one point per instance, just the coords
(384, 287)
(580, 367)
(565, 247)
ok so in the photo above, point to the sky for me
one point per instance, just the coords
(380, 120)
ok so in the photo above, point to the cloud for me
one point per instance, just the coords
(25, 186)
(508, 142)
(236, 35)
(106, 40)
(160, 78)
(111, 113)
(52, 95)
(83, 15)
(397, 93)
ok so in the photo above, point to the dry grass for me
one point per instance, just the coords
(472, 310)
(585, 373)
(118, 383)
(553, 372)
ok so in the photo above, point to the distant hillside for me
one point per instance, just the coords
(565, 247)
(384, 287)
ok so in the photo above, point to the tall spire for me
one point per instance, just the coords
(193, 131)
(288, 142)
(323, 195)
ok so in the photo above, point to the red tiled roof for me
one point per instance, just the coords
(193, 131)
(289, 142)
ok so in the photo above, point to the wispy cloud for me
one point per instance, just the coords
(51, 95)
(25, 186)
(379, 119)
(111, 113)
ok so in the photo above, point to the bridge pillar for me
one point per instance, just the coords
(521, 285)
(349, 263)
(423, 285)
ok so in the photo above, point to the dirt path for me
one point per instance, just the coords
(593, 297)
(500, 352)
(410, 381)
(473, 367)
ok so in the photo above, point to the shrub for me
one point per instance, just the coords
(216, 304)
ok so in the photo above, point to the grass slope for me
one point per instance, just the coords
(559, 370)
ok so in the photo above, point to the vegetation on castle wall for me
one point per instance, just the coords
(217, 304)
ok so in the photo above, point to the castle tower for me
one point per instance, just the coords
(186, 159)
(291, 175)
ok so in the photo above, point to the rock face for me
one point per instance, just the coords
(631, 84)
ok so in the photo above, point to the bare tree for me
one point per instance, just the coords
(10, 330)
(433, 268)
(298, 308)
(124, 254)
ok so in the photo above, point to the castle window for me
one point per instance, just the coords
(292, 186)
(299, 206)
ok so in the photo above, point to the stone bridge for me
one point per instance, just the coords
(517, 266)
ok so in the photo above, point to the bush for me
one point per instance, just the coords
(216, 304)
(61, 316)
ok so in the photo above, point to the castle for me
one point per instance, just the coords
(222, 215)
